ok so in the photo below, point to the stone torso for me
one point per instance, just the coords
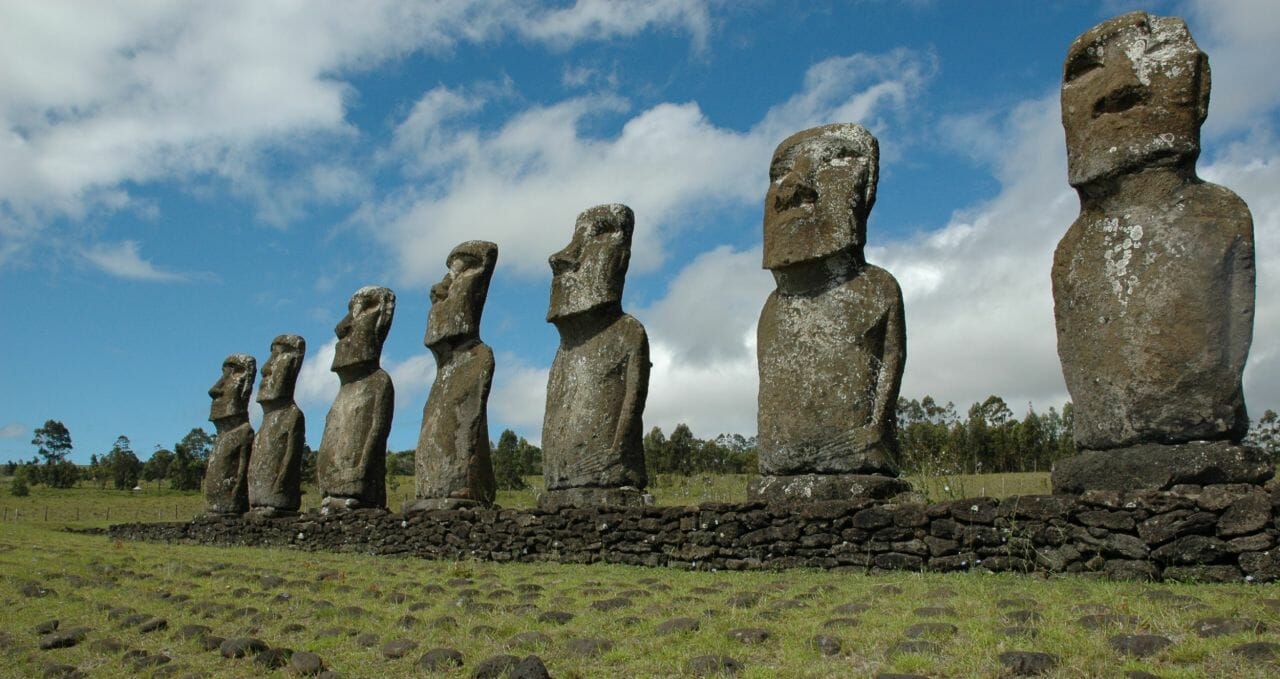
(596, 391)
(826, 361)
(275, 468)
(352, 458)
(225, 480)
(1154, 306)
(452, 456)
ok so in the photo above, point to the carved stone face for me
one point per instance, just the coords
(457, 301)
(280, 372)
(362, 331)
(589, 272)
(1135, 91)
(822, 186)
(231, 392)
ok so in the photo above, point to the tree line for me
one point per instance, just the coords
(932, 438)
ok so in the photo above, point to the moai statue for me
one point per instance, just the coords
(831, 342)
(351, 465)
(1153, 284)
(226, 487)
(275, 468)
(452, 460)
(591, 434)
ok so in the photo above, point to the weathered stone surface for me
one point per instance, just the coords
(275, 467)
(554, 500)
(453, 457)
(806, 488)
(1248, 514)
(713, 665)
(1154, 282)
(1028, 663)
(831, 341)
(1139, 645)
(596, 390)
(1161, 466)
(352, 460)
(226, 487)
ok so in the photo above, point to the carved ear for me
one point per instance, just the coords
(245, 383)
(386, 313)
(1204, 81)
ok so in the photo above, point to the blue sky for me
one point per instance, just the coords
(180, 182)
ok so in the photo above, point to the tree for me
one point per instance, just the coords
(18, 487)
(52, 441)
(682, 449)
(1265, 434)
(507, 465)
(190, 456)
(124, 464)
(157, 467)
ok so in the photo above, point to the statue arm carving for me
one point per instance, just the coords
(637, 388)
(891, 367)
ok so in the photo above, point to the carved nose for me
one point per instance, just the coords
(793, 192)
(563, 262)
(1121, 99)
(344, 327)
(439, 291)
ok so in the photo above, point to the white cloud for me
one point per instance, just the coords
(95, 96)
(1252, 169)
(519, 397)
(318, 385)
(122, 260)
(13, 430)
(977, 292)
(702, 339)
(523, 184)
(1240, 39)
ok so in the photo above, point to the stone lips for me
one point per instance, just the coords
(831, 340)
(596, 389)
(1154, 282)
(351, 462)
(1135, 92)
(591, 270)
(226, 474)
(453, 462)
(275, 467)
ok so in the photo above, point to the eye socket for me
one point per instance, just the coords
(1082, 62)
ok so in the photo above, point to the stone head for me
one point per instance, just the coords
(231, 392)
(590, 271)
(280, 372)
(457, 301)
(1135, 90)
(363, 330)
(822, 185)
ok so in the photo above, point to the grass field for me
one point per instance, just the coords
(347, 607)
(87, 506)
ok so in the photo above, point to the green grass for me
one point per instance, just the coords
(87, 505)
(91, 573)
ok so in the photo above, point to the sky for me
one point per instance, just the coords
(181, 181)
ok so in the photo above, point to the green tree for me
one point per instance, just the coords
(1265, 434)
(53, 443)
(190, 456)
(655, 453)
(18, 487)
(125, 466)
(682, 450)
(157, 467)
(507, 462)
